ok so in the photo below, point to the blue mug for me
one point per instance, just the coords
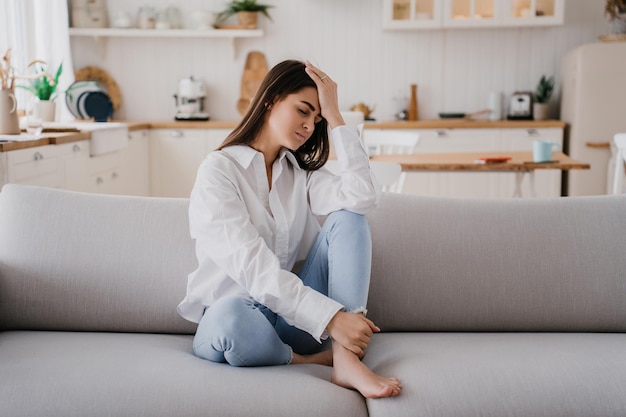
(542, 150)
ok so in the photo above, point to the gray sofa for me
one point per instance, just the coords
(488, 308)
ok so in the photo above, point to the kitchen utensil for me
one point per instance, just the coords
(96, 105)
(32, 118)
(202, 19)
(89, 14)
(254, 71)
(495, 105)
(108, 84)
(175, 17)
(413, 110)
(542, 150)
(464, 115)
(451, 115)
(146, 17)
(122, 20)
(521, 106)
(190, 100)
(75, 91)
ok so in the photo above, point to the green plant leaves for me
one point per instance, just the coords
(544, 89)
(237, 6)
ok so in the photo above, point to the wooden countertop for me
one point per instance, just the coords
(466, 124)
(465, 161)
(54, 138)
(420, 124)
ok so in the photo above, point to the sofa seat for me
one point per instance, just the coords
(90, 374)
(489, 308)
(502, 374)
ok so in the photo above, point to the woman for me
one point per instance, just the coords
(253, 215)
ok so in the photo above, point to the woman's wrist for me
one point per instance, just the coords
(335, 120)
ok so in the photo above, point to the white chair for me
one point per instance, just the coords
(620, 158)
(386, 173)
(354, 118)
(381, 142)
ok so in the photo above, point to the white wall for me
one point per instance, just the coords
(454, 69)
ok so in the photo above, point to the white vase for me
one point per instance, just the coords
(9, 124)
(619, 25)
(540, 111)
(46, 110)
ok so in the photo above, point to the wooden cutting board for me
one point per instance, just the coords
(254, 71)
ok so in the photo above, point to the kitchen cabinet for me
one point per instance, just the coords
(440, 14)
(104, 173)
(57, 166)
(175, 155)
(125, 171)
(533, 12)
(136, 164)
(215, 137)
(412, 14)
(482, 184)
(75, 162)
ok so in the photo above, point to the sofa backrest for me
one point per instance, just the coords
(88, 262)
(73, 261)
(443, 264)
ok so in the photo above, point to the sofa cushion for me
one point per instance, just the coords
(443, 264)
(77, 261)
(501, 374)
(74, 374)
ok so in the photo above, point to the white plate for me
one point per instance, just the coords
(75, 91)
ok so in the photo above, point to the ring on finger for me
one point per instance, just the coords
(323, 78)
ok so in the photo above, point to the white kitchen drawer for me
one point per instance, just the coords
(105, 162)
(53, 180)
(522, 139)
(33, 163)
(457, 140)
(106, 182)
(175, 155)
(38, 153)
(78, 149)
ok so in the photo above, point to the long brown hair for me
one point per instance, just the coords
(287, 77)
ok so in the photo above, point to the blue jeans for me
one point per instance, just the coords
(244, 333)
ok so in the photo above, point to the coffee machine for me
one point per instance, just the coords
(190, 100)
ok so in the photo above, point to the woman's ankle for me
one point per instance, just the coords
(322, 358)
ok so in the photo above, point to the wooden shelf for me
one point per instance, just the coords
(98, 34)
(167, 33)
(613, 38)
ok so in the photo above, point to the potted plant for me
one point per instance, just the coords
(44, 86)
(247, 12)
(543, 92)
(616, 11)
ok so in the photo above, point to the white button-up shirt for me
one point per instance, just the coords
(249, 236)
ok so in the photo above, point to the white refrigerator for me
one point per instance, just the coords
(593, 103)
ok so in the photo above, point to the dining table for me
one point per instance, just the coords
(519, 162)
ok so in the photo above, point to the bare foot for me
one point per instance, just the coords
(350, 372)
(323, 358)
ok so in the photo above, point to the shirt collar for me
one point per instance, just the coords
(244, 155)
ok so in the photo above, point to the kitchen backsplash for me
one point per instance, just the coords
(455, 69)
